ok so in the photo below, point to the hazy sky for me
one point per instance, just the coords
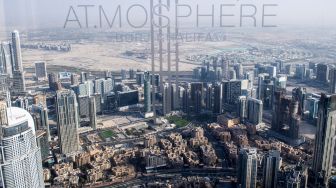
(29, 14)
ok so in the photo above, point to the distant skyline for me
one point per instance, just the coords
(35, 14)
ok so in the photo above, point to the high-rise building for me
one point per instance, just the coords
(247, 168)
(322, 73)
(127, 98)
(297, 177)
(232, 90)
(300, 95)
(280, 81)
(107, 74)
(147, 92)
(324, 140)
(261, 80)
(111, 102)
(218, 98)
(42, 143)
(186, 108)
(4, 84)
(311, 105)
(139, 78)
(300, 71)
(5, 59)
(232, 74)
(239, 70)
(242, 109)
(271, 166)
(40, 70)
(265, 90)
(225, 68)
(254, 111)
(294, 120)
(123, 74)
(3, 114)
(250, 77)
(86, 88)
(271, 70)
(40, 115)
(84, 77)
(21, 164)
(74, 79)
(67, 121)
(209, 96)
(196, 94)
(84, 105)
(166, 99)
(175, 99)
(285, 113)
(332, 83)
(103, 86)
(16, 52)
(131, 74)
(52, 80)
(289, 69)
(93, 112)
(19, 84)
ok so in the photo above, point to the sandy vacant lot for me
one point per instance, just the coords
(109, 56)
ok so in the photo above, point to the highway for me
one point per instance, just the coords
(174, 173)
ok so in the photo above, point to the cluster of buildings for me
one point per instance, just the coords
(239, 99)
(175, 150)
(96, 164)
(49, 47)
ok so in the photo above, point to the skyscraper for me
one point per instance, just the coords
(166, 99)
(93, 113)
(242, 109)
(225, 68)
(131, 74)
(40, 70)
(74, 79)
(247, 167)
(332, 83)
(19, 84)
(239, 70)
(232, 90)
(185, 99)
(294, 120)
(16, 51)
(3, 114)
(40, 114)
(175, 100)
(324, 140)
(84, 77)
(322, 74)
(5, 59)
(52, 80)
(4, 82)
(300, 94)
(271, 166)
(297, 177)
(209, 95)
(147, 92)
(21, 164)
(261, 79)
(84, 89)
(218, 98)
(67, 121)
(254, 111)
(250, 77)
